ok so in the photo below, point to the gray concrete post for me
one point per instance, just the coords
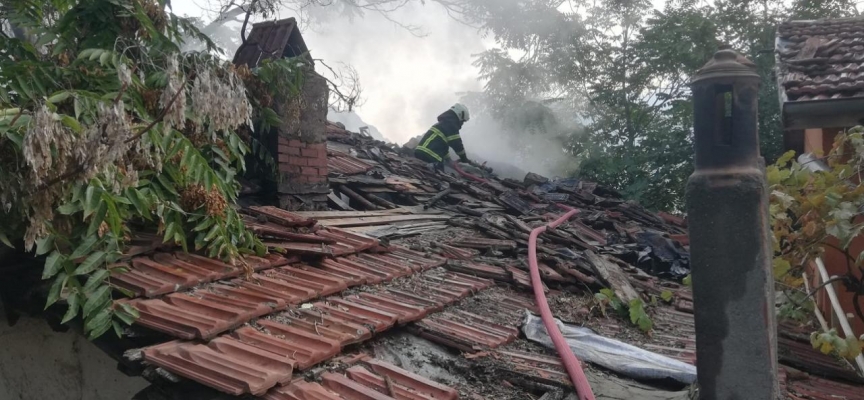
(727, 206)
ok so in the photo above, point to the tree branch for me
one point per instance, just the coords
(826, 283)
(246, 21)
(161, 115)
(80, 169)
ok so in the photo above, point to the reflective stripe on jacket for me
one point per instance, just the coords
(438, 140)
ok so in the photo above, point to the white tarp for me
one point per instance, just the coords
(610, 353)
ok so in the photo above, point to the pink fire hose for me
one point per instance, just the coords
(571, 363)
(472, 177)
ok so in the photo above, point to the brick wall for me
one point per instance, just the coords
(302, 163)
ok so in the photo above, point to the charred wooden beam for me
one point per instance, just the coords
(358, 198)
(469, 211)
(380, 201)
(436, 198)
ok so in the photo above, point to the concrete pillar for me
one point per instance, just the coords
(727, 205)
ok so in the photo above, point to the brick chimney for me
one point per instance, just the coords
(299, 147)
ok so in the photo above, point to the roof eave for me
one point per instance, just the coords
(827, 113)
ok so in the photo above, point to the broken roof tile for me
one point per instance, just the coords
(189, 317)
(319, 322)
(350, 389)
(354, 240)
(345, 269)
(465, 331)
(512, 199)
(426, 259)
(802, 355)
(386, 318)
(280, 216)
(346, 164)
(482, 270)
(295, 345)
(339, 243)
(163, 273)
(277, 286)
(225, 364)
(428, 300)
(375, 373)
(322, 283)
(534, 366)
(456, 253)
(484, 243)
(816, 388)
(378, 321)
(405, 312)
(301, 390)
(375, 382)
(382, 270)
(395, 266)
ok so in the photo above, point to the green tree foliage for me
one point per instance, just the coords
(107, 128)
(620, 70)
(816, 205)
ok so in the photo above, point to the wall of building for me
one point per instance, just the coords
(37, 363)
(836, 264)
(820, 141)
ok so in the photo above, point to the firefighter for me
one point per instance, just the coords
(434, 146)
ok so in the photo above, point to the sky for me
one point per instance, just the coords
(407, 80)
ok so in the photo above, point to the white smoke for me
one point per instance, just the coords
(408, 80)
(490, 140)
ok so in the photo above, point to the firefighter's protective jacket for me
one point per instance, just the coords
(435, 145)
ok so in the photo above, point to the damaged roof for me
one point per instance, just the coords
(405, 252)
(272, 40)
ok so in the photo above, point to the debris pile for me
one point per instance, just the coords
(410, 259)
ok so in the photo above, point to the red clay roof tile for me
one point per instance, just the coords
(322, 283)
(225, 364)
(375, 382)
(376, 322)
(301, 390)
(413, 381)
(164, 273)
(465, 331)
(816, 58)
(350, 389)
(405, 312)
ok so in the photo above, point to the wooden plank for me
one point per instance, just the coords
(322, 215)
(280, 216)
(382, 220)
(375, 189)
(613, 276)
(395, 231)
(338, 202)
(267, 231)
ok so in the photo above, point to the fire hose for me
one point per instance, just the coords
(571, 363)
(472, 177)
